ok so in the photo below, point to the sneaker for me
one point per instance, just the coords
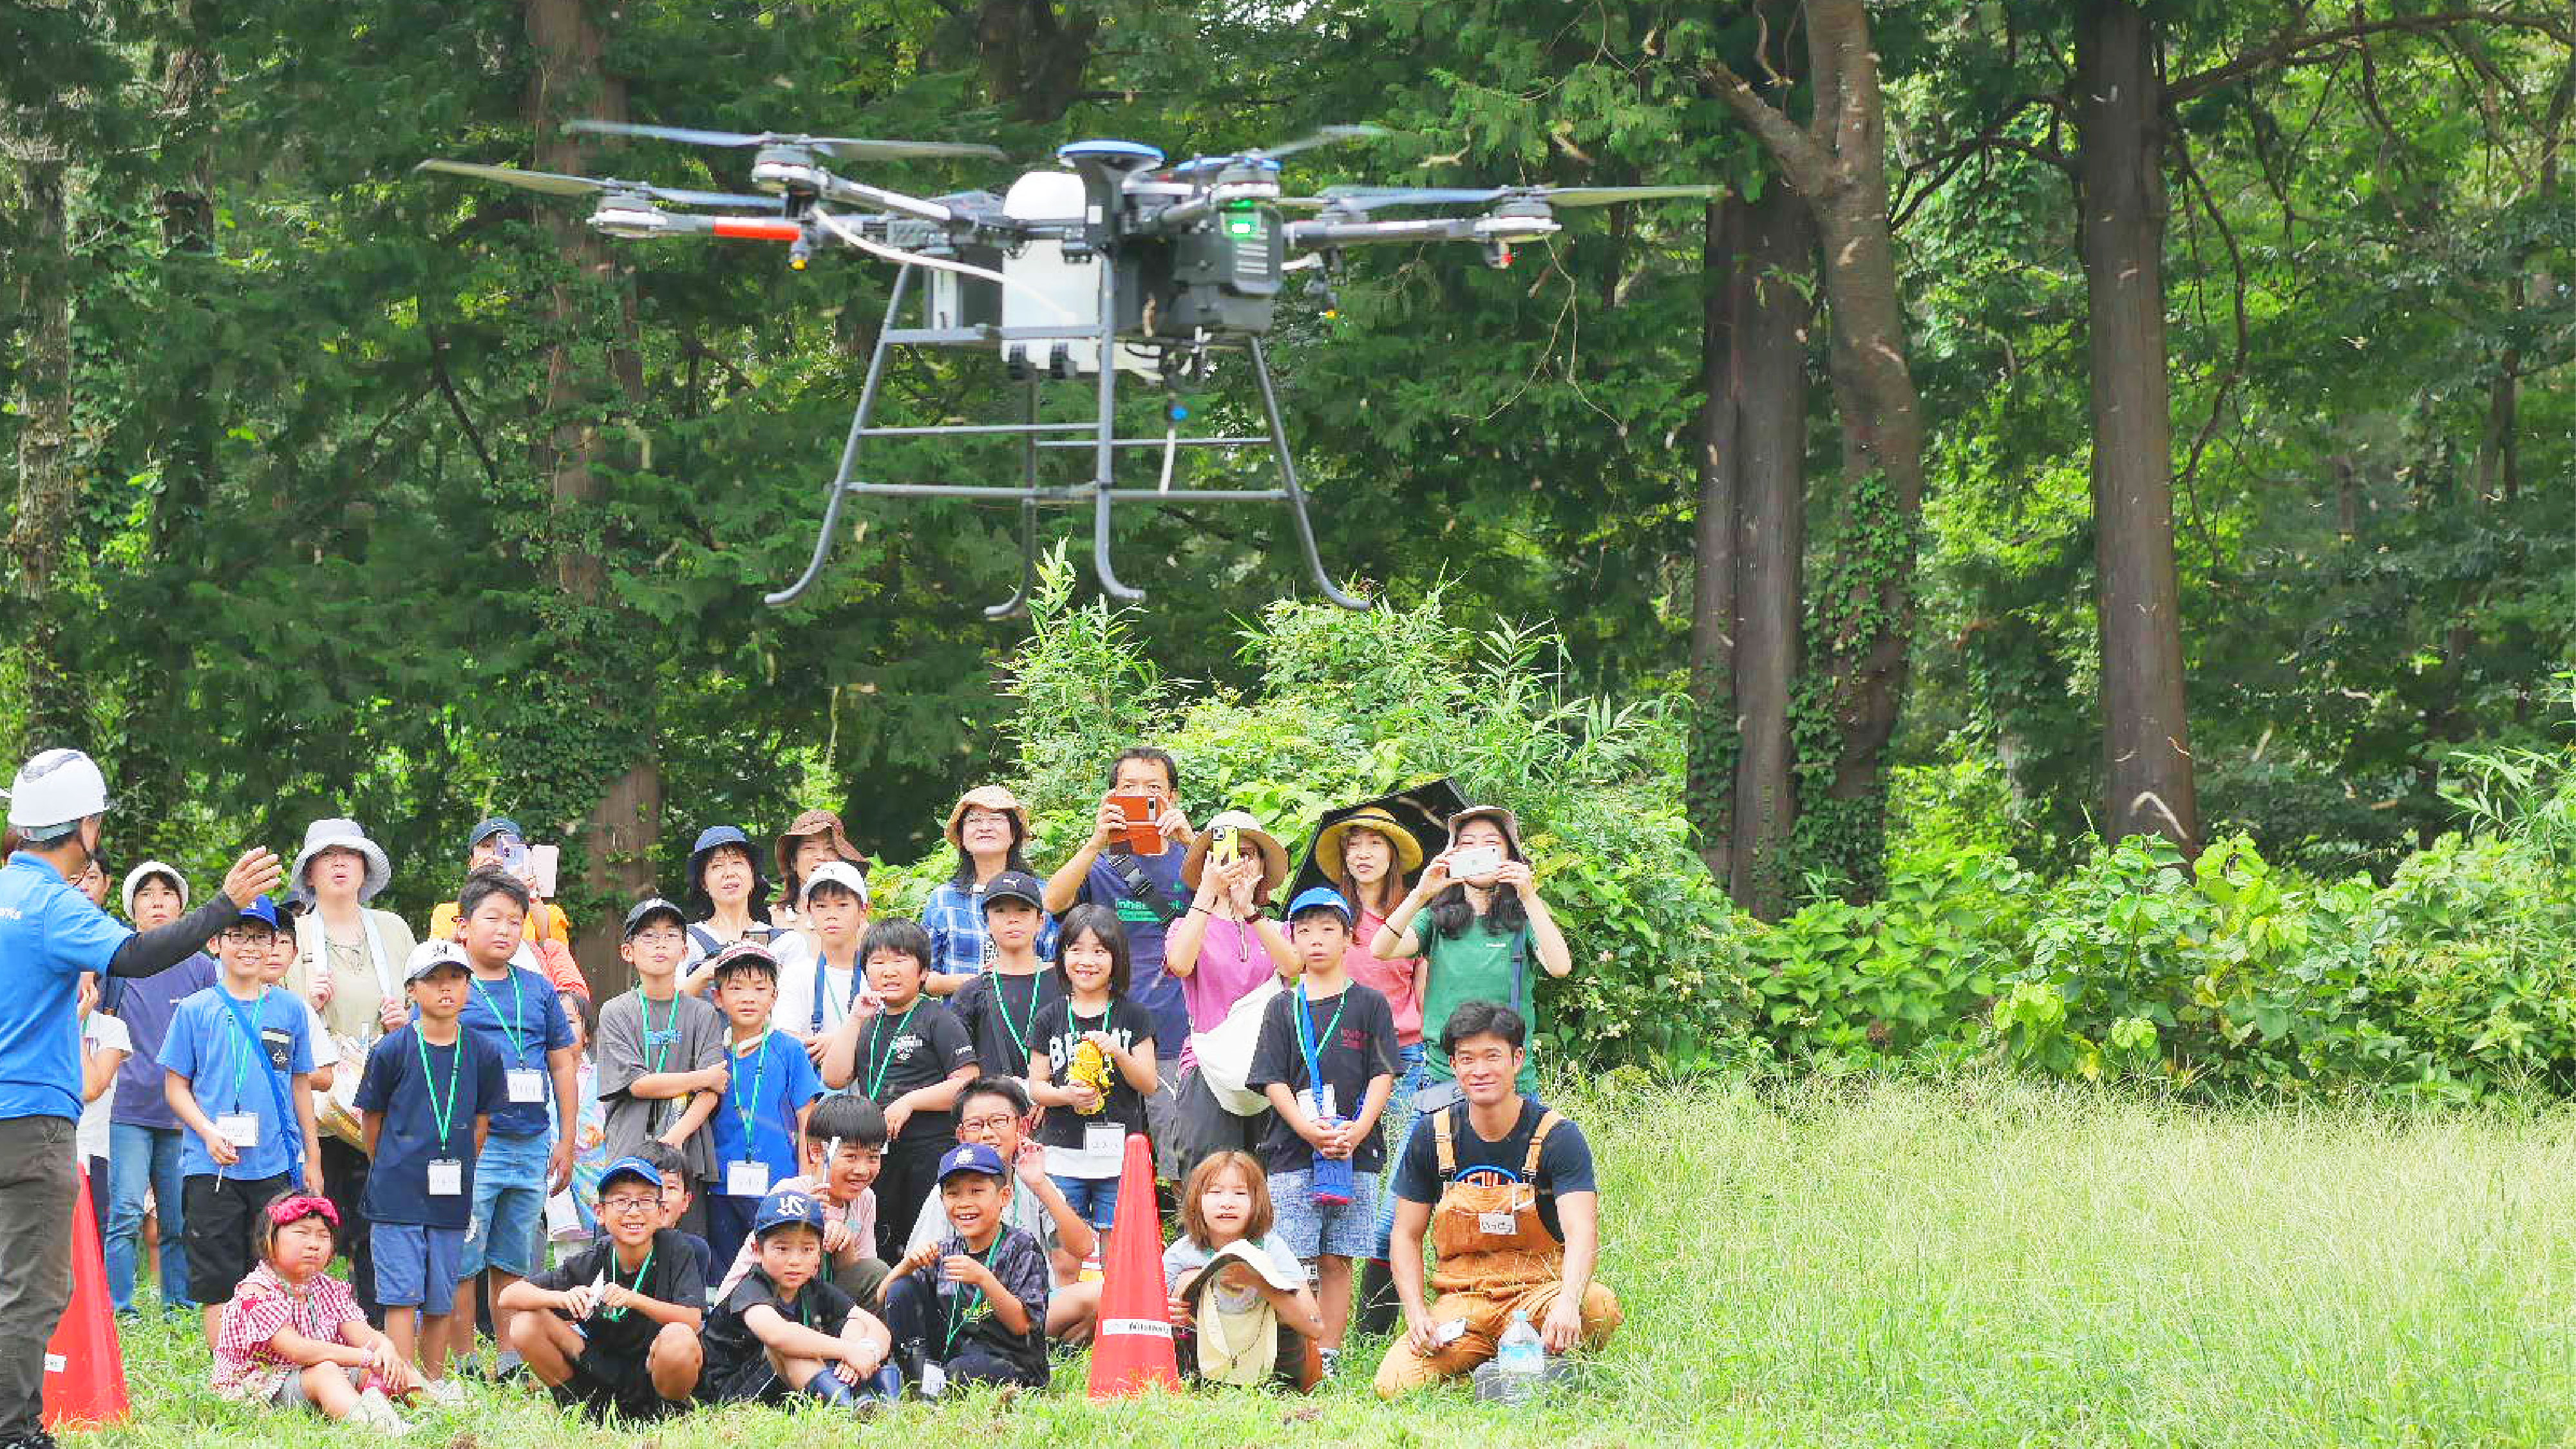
(376, 1412)
(508, 1365)
(447, 1393)
(1332, 1360)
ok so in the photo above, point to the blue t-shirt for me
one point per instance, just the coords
(771, 1085)
(49, 934)
(145, 1004)
(398, 1184)
(521, 1019)
(1148, 984)
(209, 1044)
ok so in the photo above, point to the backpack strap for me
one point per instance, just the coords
(1538, 1141)
(1142, 888)
(706, 939)
(1445, 1144)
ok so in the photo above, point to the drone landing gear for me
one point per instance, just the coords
(1100, 435)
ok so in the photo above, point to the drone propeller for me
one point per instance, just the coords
(848, 148)
(556, 184)
(1320, 136)
(1368, 198)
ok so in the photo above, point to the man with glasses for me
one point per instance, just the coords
(49, 935)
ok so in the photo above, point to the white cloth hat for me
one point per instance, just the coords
(135, 878)
(840, 873)
(339, 834)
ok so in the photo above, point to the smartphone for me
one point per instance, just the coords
(1141, 836)
(1224, 848)
(543, 861)
(1475, 864)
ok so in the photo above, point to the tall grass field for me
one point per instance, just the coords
(1979, 1262)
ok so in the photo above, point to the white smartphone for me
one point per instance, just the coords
(543, 860)
(1475, 864)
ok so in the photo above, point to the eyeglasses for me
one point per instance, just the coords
(985, 817)
(629, 1204)
(247, 938)
(986, 1124)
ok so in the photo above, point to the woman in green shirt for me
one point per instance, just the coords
(1481, 920)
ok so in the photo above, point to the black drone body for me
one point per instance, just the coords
(1116, 264)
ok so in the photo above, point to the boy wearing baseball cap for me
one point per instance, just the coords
(971, 1308)
(785, 1330)
(423, 1106)
(819, 980)
(661, 1051)
(999, 1008)
(614, 1327)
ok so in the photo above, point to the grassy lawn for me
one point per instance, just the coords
(1987, 1263)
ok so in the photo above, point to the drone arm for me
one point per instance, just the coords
(1321, 235)
(877, 198)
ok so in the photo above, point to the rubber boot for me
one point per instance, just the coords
(828, 1387)
(1378, 1305)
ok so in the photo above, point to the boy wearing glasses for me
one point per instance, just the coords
(614, 1328)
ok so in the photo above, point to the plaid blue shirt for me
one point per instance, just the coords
(955, 919)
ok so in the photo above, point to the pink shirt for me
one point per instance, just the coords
(247, 1367)
(1398, 981)
(861, 1215)
(1232, 961)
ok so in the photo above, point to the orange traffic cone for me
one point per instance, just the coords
(1132, 1351)
(84, 1364)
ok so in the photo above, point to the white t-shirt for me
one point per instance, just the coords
(104, 1033)
(794, 1013)
(326, 1052)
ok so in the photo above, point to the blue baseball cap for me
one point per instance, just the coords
(634, 1167)
(1321, 898)
(787, 1207)
(262, 910)
(497, 825)
(972, 1157)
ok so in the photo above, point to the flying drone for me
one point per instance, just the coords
(1116, 264)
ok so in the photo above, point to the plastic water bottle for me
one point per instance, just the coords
(1519, 1360)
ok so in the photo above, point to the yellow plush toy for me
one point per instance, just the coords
(1091, 1068)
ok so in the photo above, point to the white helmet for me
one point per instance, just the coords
(57, 787)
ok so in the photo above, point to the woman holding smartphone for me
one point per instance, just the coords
(1475, 919)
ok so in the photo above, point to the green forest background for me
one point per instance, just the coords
(1826, 570)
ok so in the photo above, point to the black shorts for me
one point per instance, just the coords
(621, 1384)
(223, 1230)
(753, 1381)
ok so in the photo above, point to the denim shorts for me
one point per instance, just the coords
(1345, 1231)
(416, 1266)
(509, 1204)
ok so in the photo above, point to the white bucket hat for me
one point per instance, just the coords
(135, 878)
(339, 834)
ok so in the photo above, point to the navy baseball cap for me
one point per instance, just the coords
(634, 1167)
(1320, 898)
(647, 910)
(972, 1157)
(787, 1207)
(1015, 885)
(262, 910)
(497, 825)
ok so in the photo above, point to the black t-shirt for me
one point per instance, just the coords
(1564, 1164)
(1001, 1015)
(904, 1051)
(961, 1317)
(1353, 1035)
(1061, 1030)
(729, 1343)
(672, 1275)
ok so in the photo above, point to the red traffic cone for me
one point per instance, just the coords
(1132, 1350)
(84, 1364)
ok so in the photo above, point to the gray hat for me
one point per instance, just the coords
(339, 834)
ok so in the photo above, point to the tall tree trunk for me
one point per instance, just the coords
(40, 537)
(2119, 111)
(623, 822)
(1715, 737)
(1033, 58)
(1863, 613)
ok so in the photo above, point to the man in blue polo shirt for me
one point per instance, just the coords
(50, 935)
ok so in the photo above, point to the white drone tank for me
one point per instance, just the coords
(1048, 291)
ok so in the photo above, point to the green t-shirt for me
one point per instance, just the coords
(1476, 965)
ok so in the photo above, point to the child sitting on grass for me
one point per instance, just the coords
(971, 1308)
(844, 1142)
(1239, 1295)
(293, 1335)
(783, 1331)
(622, 1336)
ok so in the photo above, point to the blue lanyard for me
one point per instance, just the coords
(822, 987)
(1312, 1043)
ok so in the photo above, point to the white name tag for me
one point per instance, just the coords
(1494, 1225)
(747, 1179)
(241, 1129)
(1321, 1102)
(446, 1177)
(1107, 1137)
(934, 1380)
(527, 1084)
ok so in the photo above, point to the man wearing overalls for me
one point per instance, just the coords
(1504, 1186)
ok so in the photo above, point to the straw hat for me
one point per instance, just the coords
(1328, 842)
(986, 797)
(1274, 856)
(1510, 823)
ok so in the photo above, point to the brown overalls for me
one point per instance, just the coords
(1495, 1255)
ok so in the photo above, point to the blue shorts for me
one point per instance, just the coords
(1346, 1231)
(416, 1266)
(509, 1205)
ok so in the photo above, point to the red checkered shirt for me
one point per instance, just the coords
(247, 1367)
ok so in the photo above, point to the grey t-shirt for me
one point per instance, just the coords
(639, 1038)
